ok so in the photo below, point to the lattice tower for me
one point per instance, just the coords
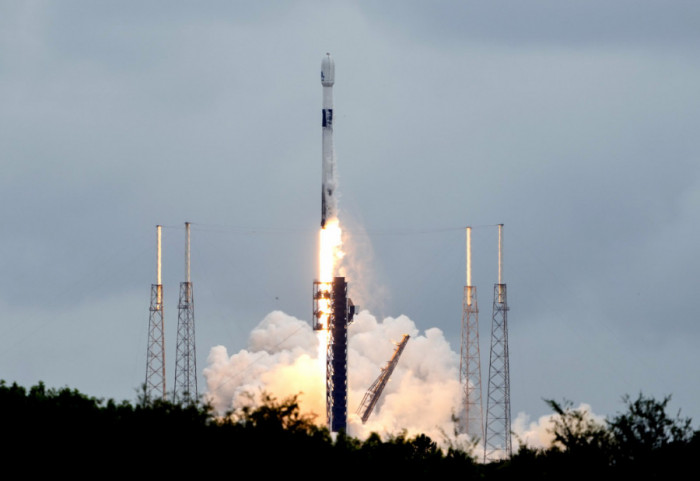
(375, 390)
(470, 366)
(497, 443)
(155, 352)
(186, 355)
(470, 359)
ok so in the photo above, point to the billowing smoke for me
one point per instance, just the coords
(423, 395)
(282, 359)
(539, 434)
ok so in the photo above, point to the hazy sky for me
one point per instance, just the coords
(572, 123)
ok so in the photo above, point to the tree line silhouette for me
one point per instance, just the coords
(57, 431)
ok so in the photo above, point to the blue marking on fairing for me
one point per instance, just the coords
(327, 119)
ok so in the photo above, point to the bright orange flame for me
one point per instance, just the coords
(330, 254)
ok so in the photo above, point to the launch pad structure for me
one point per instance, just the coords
(341, 314)
(375, 390)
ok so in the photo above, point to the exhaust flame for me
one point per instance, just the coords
(330, 255)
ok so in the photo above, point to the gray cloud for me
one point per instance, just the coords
(573, 125)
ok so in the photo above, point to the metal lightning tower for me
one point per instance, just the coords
(470, 360)
(497, 442)
(186, 356)
(155, 353)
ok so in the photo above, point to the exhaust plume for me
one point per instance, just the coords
(283, 359)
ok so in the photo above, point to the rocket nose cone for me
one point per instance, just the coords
(327, 71)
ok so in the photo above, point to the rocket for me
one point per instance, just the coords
(328, 182)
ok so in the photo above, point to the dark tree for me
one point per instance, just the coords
(649, 443)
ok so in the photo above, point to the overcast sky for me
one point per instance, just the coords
(573, 123)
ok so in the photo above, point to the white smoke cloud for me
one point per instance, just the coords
(282, 359)
(538, 434)
(423, 391)
(422, 395)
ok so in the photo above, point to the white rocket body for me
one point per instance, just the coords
(328, 202)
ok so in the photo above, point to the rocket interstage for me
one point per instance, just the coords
(328, 182)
